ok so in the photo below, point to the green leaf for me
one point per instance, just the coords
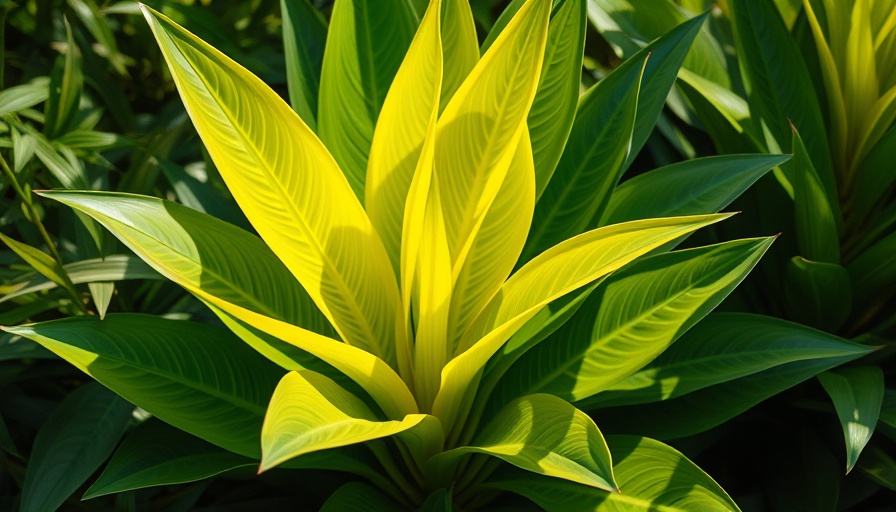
(66, 83)
(201, 196)
(779, 86)
(652, 477)
(818, 294)
(704, 185)
(366, 43)
(6, 443)
(288, 185)
(113, 268)
(880, 467)
(358, 497)
(22, 149)
(816, 224)
(721, 348)
(43, 263)
(199, 378)
(873, 274)
(77, 437)
(705, 386)
(554, 108)
(592, 161)
(304, 37)
(101, 292)
(24, 96)
(309, 412)
(871, 182)
(857, 394)
(632, 317)
(17, 347)
(541, 434)
(156, 453)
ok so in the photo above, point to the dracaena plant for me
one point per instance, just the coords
(818, 79)
(442, 271)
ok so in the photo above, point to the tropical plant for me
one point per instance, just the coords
(816, 78)
(433, 344)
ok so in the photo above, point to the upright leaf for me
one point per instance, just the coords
(816, 222)
(460, 46)
(288, 186)
(365, 47)
(79, 435)
(66, 84)
(304, 38)
(857, 394)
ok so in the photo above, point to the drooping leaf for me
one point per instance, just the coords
(196, 377)
(289, 187)
(541, 434)
(43, 263)
(101, 292)
(309, 412)
(630, 319)
(704, 185)
(857, 394)
(652, 477)
(156, 453)
(77, 437)
(24, 96)
(366, 43)
(304, 37)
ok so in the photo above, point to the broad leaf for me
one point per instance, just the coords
(289, 187)
(630, 319)
(652, 477)
(194, 376)
(857, 394)
(156, 453)
(541, 434)
(365, 47)
(704, 185)
(304, 37)
(309, 412)
(79, 435)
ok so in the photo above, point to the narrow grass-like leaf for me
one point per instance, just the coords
(857, 394)
(77, 437)
(43, 263)
(196, 377)
(816, 222)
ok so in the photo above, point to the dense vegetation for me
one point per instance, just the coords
(448, 255)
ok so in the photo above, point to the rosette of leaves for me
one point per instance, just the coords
(444, 267)
(816, 78)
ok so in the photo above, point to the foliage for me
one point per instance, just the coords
(814, 78)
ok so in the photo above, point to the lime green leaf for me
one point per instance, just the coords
(77, 437)
(632, 317)
(816, 222)
(43, 263)
(359, 497)
(554, 107)
(480, 128)
(365, 47)
(22, 149)
(66, 84)
(778, 84)
(309, 412)
(156, 453)
(857, 394)
(723, 114)
(556, 272)
(409, 110)
(818, 294)
(460, 46)
(304, 37)
(194, 376)
(860, 81)
(724, 347)
(704, 185)
(288, 186)
(113, 268)
(544, 435)
(101, 291)
(652, 477)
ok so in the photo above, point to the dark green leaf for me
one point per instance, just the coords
(857, 394)
(304, 37)
(818, 294)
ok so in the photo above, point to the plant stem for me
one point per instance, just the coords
(381, 452)
(29, 205)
